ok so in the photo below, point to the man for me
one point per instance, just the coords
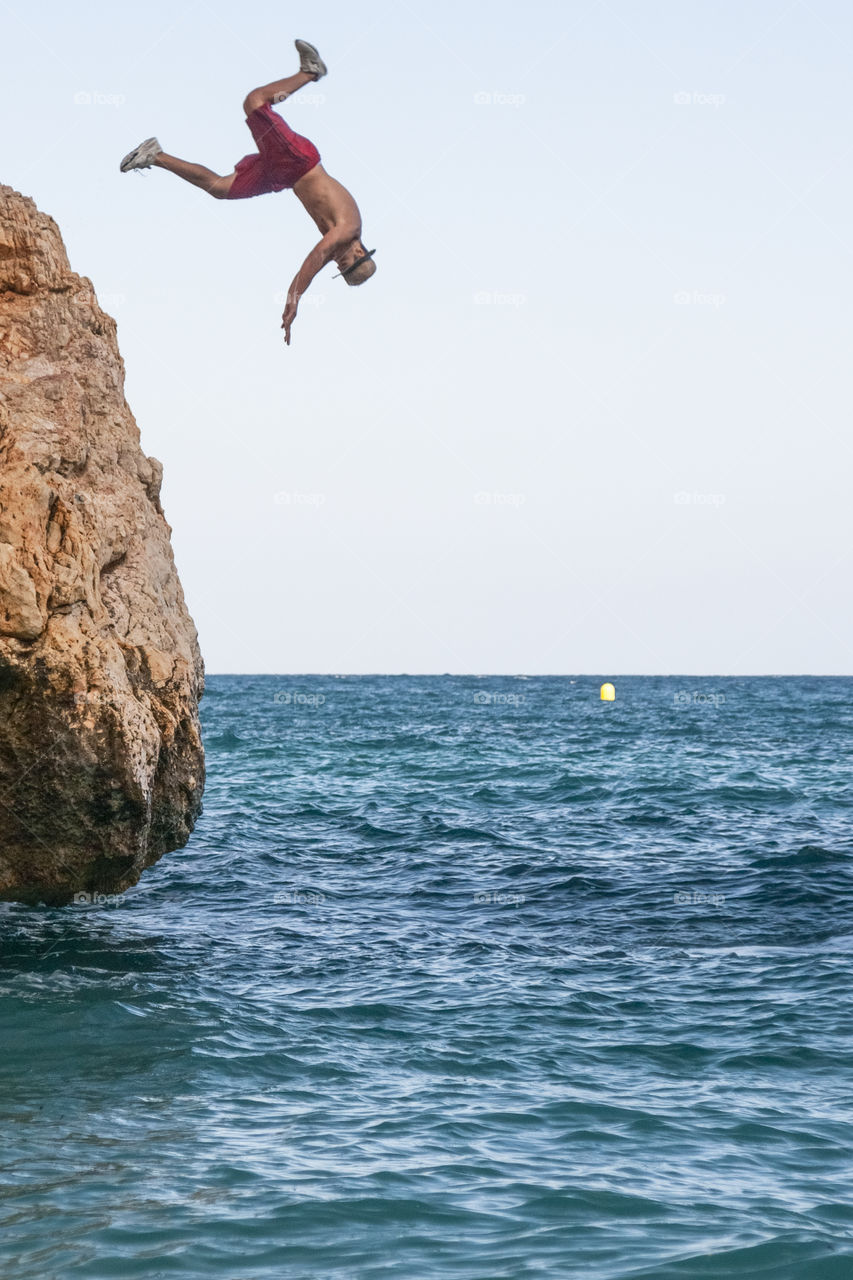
(283, 160)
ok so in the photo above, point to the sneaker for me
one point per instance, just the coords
(309, 60)
(142, 157)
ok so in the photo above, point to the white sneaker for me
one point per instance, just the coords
(309, 59)
(142, 157)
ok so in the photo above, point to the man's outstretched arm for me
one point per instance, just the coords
(317, 259)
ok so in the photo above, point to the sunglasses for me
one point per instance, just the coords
(355, 264)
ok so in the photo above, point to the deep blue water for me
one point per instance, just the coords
(459, 978)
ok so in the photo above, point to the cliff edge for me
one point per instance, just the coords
(101, 762)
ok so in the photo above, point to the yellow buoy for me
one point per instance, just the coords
(608, 693)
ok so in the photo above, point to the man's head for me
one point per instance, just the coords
(356, 263)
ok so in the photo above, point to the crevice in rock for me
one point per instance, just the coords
(113, 564)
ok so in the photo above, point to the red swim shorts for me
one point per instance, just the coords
(282, 157)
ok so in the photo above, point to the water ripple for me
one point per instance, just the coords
(464, 978)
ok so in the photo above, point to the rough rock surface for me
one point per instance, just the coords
(101, 763)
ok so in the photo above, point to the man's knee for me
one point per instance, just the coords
(257, 98)
(220, 188)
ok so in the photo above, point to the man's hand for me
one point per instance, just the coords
(318, 257)
(289, 316)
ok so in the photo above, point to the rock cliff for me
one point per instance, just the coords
(101, 763)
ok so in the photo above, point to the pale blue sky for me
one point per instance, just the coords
(592, 413)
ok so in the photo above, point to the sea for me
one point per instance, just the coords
(461, 978)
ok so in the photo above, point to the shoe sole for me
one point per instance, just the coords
(314, 55)
(127, 165)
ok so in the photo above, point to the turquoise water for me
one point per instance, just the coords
(459, 978)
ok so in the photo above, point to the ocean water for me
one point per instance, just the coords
(460, 978)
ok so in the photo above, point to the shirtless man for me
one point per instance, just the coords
(283, 160)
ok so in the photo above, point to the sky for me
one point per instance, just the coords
(591, 415)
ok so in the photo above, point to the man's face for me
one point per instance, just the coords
(350, 254)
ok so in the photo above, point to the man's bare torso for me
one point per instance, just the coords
(329, 203)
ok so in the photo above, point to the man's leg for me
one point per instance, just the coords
(277, 91)
(213, 183)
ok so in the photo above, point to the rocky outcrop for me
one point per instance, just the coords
(101, 764)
